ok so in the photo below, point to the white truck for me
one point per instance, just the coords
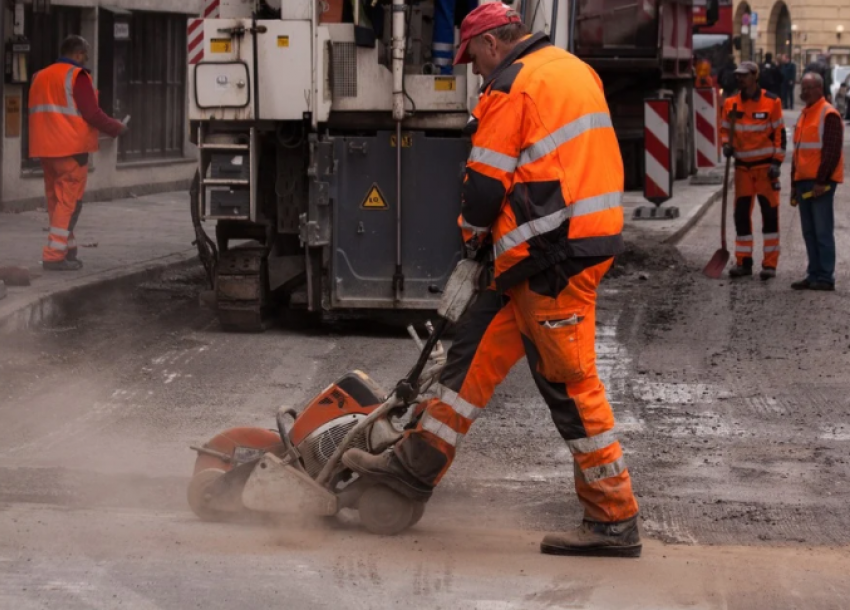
(331, 155)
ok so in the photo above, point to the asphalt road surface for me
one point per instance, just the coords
(732, 399)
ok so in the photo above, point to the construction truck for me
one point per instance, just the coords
(331, 148)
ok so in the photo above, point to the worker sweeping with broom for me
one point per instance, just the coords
(758, 146)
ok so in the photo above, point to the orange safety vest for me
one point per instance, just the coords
(545, 161)
(808, 143)
(759, 129)
(56, 128)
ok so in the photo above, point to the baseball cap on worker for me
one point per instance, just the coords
(747, 67)
(482, 19)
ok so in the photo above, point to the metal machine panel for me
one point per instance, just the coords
(285, 59)
(364, 217)
(221, 85)
(361, 83)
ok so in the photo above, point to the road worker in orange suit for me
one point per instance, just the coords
(703, 70)
(64, 120)
(543, 192)
(759, 149)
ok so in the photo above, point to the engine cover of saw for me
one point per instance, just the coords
(354, 393)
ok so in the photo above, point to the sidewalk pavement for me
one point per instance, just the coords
(692, 201)
(122, 239)
(117, 240)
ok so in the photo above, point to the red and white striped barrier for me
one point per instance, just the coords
(658, 152)
(195, 31)
(707, 134)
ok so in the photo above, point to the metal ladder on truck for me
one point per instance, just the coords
(228, 194)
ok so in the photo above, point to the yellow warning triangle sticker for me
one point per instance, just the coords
(374, 199)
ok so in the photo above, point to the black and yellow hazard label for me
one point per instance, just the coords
(283, 41)
(445, 83)
(406, 140)
(220, 45)
(374, 199)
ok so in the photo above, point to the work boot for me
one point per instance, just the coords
(821, 286)
(386, 468)
(801, 285)
(740, 271)
(71, 256)
(594, 539)
(65, 265)
(767, 273)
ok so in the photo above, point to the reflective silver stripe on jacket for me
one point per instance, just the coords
(756, 127)
(441, 430)
(743, 248)
(813, 145)
(55, 245)
(573, 129)
(70, 108)
(498, 160)
(538, 226)
(450, 397)
(761, 152)
(771, 248)
(592, 443)
(597, 473)
(473, 228)
(59, 232)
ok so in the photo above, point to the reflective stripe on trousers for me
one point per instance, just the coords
(495, 334)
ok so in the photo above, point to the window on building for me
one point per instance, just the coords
(45, 31)
(145, 77)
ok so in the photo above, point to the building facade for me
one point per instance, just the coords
(138, 64)
(803, 29)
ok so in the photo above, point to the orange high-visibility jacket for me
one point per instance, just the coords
(56, 128)
(545, 175)
(808, 143)
(759, 129)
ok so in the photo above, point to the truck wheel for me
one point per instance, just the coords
(385, 512)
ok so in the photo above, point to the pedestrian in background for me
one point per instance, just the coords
(759, 149)
(817, 169)
(64, 120)
(770, 77)
(726, 77)
(820, 66)
(789, 82)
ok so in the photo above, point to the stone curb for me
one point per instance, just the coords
(47, 304)
(679, 233)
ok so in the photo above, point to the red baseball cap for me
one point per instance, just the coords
(482, 19)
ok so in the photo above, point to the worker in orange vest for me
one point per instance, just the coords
(759, 149)
(64, 120)
(703, 70)
(818, 168)
(543, 188)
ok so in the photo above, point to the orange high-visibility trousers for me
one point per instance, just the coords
(552, 322)
(64, 185)
(750, 184)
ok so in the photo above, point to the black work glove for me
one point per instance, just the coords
(774, 171)
(727, 150)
